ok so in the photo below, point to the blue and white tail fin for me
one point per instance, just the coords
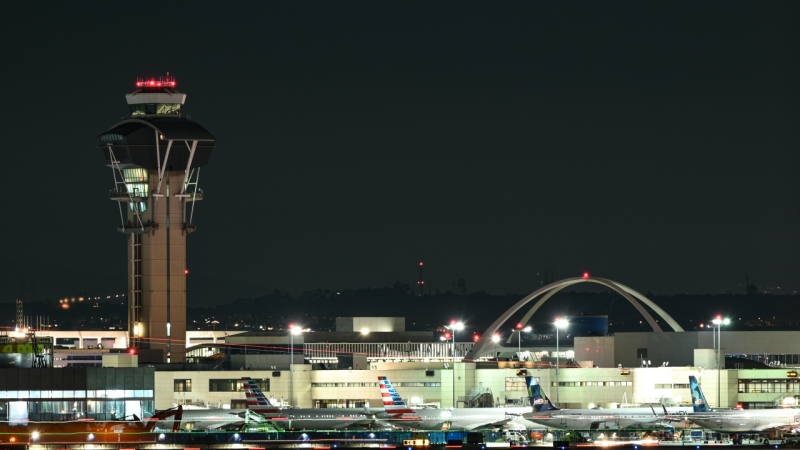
(392, 402)
(255, 398)
(699, 403)
(539, 400)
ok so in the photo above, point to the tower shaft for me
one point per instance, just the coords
(157, 273)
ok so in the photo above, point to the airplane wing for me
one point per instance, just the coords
(366, 424)
(483, 424)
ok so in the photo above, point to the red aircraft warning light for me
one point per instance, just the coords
(167, 81)
(585, 275)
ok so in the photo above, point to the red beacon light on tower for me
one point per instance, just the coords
(156, 83)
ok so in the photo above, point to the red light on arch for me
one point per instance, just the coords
(585, 275)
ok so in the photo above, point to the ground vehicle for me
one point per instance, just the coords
(515, 436)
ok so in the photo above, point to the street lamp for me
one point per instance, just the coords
(719, 322)
(559, 323)
(294, 330)
(495, 339)
(519, 339)
(453, 327)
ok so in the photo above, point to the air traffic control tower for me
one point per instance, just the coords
(155, 157)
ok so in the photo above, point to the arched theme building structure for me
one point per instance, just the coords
(483, 345)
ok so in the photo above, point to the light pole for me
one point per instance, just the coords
(453, 327)
(719, 322)
(519, 341)
(559, 323)
(293, 331)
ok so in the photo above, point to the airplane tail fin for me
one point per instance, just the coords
(699, 403)
(255, 398)
(392, 402)
(539, 400)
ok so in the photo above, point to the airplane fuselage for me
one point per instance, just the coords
(585, 419)
(321, 418)
(462, 418)
(747, 420)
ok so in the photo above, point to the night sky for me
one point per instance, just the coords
(653, 143)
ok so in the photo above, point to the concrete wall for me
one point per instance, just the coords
(385, 324)
(599, 350)
(678, 348)
(675, 348)
(705, 357)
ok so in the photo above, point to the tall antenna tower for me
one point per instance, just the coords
(19, 323)
(421, 281)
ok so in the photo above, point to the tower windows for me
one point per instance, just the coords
(145, 109)
(137, 184)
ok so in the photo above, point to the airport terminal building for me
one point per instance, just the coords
(341, 369)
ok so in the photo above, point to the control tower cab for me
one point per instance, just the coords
(155, 157)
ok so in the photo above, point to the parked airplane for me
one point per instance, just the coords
(399, 414)
(82, 431)
(310, 418)
(742, 420)
(545, 413)
(215, 419)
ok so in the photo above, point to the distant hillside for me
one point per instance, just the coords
(477, 310)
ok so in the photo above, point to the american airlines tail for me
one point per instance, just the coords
(392, 402)
(699, 403)
(539, 400)
(255, 398)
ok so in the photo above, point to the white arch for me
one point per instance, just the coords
(552, 288)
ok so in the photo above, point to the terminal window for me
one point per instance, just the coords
(516, 384)
(182, 386)
(235, 385)
(769, 386)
